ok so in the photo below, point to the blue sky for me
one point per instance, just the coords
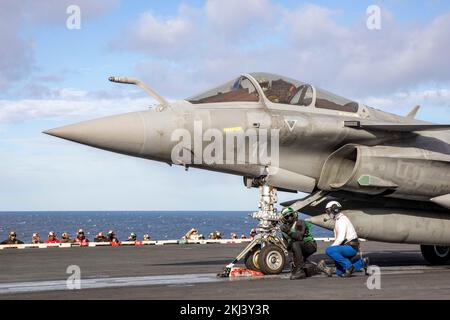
(51, 76)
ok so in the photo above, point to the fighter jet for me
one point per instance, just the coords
(390, 172)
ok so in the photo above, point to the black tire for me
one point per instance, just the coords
(252, 259)
(435, 255)
(272, 259)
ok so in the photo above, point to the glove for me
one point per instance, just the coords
(285, 228)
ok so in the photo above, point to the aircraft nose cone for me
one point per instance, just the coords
(123, 133)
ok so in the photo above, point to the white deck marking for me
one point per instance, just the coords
(174, 280)
(37, 286)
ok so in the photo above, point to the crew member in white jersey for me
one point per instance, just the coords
(346, 244)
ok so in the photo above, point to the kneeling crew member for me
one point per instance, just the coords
(300, 241)
(346, 244)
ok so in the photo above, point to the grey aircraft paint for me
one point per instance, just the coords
(326, 143)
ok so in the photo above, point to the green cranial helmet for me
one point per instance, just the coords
(288, 214)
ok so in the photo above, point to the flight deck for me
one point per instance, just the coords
(189, 272)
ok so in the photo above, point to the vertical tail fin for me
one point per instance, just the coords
(412, 114)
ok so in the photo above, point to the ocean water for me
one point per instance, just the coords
(160, 225)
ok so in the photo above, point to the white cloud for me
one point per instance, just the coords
(232, 18)
(435, 103)
(16, 50)
(313, 26)
(200, 47)
(70, 107)
(75, 105)
(165, 33)
(45, 12)
(98, 180)
(222, 38)
(165, 36)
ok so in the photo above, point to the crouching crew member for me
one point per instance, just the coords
(301, 243)
(346, 244)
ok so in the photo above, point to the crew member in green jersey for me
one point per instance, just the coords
(301, 243)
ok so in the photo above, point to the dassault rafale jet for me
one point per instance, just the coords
(391, 173)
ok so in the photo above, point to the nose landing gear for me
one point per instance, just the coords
(267, 252)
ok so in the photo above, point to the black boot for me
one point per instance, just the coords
(311, 270)
(298, 273)
(298, 263)
(348, 273)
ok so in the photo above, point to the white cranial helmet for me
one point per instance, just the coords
(334, 205)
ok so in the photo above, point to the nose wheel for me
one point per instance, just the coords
(252, 258)
(272, 259)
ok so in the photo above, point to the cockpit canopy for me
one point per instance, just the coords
(277, 89)
(238, 90)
